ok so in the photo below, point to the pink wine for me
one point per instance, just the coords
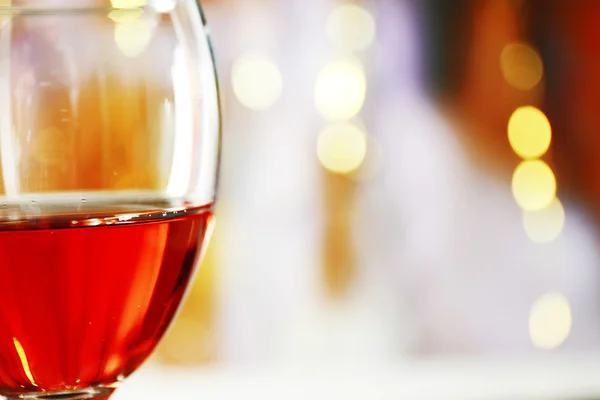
(84, 301)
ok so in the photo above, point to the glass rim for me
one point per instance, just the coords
(70, 8)
(57, 10)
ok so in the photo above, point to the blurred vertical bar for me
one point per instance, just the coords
(339, 263)
(338, 256)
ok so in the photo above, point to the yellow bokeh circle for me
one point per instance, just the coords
(547, 224)
(533, 185)
(521, 66)
(529, 132)
(550, 321)
(342, 148)
(340, 90)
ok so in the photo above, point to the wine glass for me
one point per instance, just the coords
(109, 154)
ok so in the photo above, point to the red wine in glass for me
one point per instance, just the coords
(85, 301)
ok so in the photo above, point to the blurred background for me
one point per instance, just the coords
(404, 182)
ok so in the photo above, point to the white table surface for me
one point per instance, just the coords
(563, 378)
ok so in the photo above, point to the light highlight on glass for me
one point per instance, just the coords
(545, 225)
(350, 27)
(342, 148)
(24, 361)
(133, 36)
(529, 132)
(340, 90)
(257, 82)
(521, 66)
(550, 321)
(182, 118)
(533, 185)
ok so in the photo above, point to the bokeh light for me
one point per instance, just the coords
(163, 6)
(521, 66)
(257, 82)
(550, 321)
(529, 132)
(342, 148)
(125, 15)
(133, 37)
(5, 16)
(533, 185)
(122, 4)
(545, 225)
(340, 90)
(371, 166)
(351, 27)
